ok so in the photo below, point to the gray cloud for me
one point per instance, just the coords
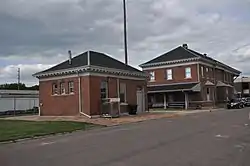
(41, 32)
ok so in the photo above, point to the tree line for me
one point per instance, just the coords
(14, 86)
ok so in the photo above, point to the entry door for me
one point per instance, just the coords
(208, 94)
(140, 101)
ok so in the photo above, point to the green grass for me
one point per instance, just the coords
(12, 129)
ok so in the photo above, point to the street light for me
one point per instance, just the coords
(125, 32)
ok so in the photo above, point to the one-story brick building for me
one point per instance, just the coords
(79, 85)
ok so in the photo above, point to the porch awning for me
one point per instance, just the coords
(209, 83)
(222, 84)
(195, 87)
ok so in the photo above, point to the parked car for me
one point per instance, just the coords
(244, 100)
(235, 103)
(247, 103)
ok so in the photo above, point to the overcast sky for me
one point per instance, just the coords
(37, 34)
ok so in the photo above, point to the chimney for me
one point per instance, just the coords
(70, 57)
(205, 54)
(88, 55)
(185, 46)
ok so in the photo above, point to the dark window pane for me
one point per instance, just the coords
(122, 97)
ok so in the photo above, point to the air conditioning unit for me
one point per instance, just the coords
(110, 107)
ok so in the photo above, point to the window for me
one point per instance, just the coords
(104, 89)
(169, 74)
(62, 88)
(152, 76)
(122, 92)
(188, 72)
(202, 71)
(54, 89)
(71, 87)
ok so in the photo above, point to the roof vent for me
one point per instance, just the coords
(185, 46)
(70, 57)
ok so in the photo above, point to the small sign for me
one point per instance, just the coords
(114, 99)
(246, 91)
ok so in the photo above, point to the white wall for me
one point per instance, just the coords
(20, 103)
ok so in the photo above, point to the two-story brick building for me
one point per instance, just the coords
(79, 85)
(183, 77)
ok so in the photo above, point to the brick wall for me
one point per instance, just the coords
(57, 105)
(211, 74)
(68, 104)
(178, 75)
(131, 89)
(208, 73)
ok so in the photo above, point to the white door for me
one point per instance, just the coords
(208, 94)
(140, 101)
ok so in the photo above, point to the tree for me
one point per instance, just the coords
(14, 86)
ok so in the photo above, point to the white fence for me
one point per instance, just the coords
(9, 104)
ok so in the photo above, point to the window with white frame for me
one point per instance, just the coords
(71, 87)
(152, 75)
(202, 71)
(207, 72)
(123, 94)
(104, 89)
(188, 72)
(62, 88)
(169, 74)
(54, 89)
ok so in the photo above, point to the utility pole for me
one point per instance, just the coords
(18, 79)
(125, 32)
(242, 86)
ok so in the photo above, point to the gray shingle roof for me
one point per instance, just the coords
(180, 53)
(96, 59)
(175, 54)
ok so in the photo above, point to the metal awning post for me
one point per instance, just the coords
(186, 100)
(165, 101)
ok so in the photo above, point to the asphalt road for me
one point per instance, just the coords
(220, 138)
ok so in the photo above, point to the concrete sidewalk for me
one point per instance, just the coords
(100, 121)
(111, 121)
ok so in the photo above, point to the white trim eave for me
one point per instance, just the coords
(58, 72)
(90, 68)
(169, 62)
(91, 74)
(170, 66)
(189, 63)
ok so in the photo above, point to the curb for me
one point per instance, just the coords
(46, 136)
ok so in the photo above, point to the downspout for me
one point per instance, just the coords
(198, 71)
(39, 110)
(215, 89)
(80, 97)
(118, 95)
